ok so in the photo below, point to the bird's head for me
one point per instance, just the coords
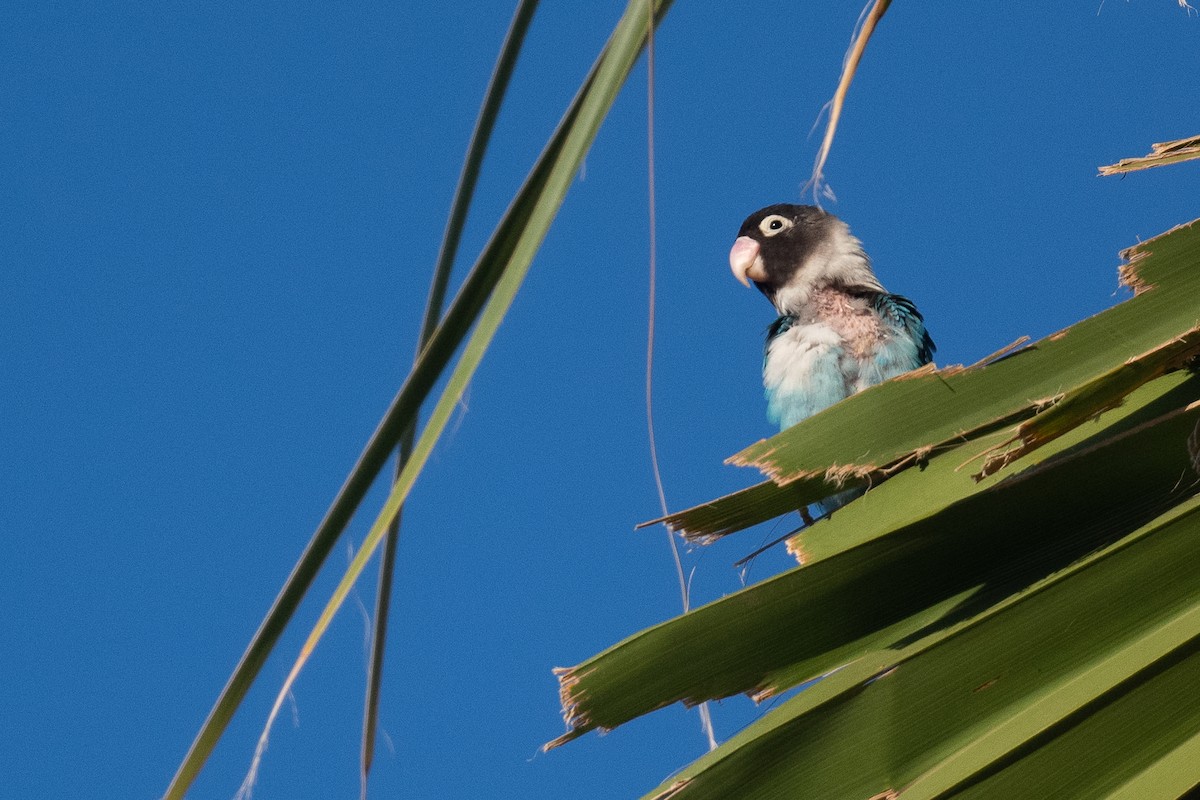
(788, 250)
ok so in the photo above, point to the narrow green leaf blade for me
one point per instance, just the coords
(945, 479)
(1095, 397)
(488, 112)
(706, 523)
(1171, 776)
(498, 271)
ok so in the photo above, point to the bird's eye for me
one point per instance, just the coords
(774, 224)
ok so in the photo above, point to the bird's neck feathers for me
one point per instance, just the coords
(838, 261)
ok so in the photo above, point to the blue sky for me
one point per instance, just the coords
(218, 223)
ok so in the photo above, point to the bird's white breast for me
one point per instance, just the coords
(802, 372)
(795, 353)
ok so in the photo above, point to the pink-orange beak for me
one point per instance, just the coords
(746, 261)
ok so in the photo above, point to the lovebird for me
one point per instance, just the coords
(839, 331)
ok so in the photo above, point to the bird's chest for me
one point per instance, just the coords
(816, 358)
(798, 350)
(851, 319)
(805, 369)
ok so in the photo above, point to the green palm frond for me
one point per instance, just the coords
(1015, 592)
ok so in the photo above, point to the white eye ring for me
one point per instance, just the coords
(774, 224)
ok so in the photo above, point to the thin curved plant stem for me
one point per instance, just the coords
(532, 210)
(706, 724)
(551, 178)
(488, 112)
(878, 9)
(400, 415)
